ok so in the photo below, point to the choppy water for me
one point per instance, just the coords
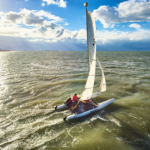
(32, 83)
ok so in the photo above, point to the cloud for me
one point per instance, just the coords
(66, 24)
(48, 15)
(28, 17)
(51, 25)
(32, 19)
(43, 4)
(60, 32)
(105, 37)
(30, 24)
(128, 11)
(112, 25)
(1, 13)
(12, 16)
(135, 25)
(60, 3)
(42, 29)
(75, 35)
(33, 24)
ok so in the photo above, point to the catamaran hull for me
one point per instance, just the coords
(63, 106)
(100, 106)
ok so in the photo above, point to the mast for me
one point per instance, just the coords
(86, 4)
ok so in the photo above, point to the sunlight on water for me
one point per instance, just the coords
(33, 83)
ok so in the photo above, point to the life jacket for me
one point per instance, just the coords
(75, 98)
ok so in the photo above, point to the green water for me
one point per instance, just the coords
(32, 83)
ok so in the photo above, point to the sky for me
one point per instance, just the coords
(37, 25)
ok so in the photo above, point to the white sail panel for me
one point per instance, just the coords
(102, 87)
(91, 42)
(91, 37)
(91, 77)
(87, 93)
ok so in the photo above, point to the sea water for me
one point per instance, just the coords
(33, 83)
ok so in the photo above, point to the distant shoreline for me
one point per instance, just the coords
(4, 50)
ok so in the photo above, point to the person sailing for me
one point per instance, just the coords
(68, 101)
(75, 98)
(76, 106)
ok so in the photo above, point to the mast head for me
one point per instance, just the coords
(85, 4)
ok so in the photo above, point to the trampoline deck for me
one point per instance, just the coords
(81, 107)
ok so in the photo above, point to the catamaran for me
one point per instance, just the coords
(85, 105)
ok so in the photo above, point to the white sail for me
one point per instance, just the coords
(91, 36)
(102, 87)
(91, 43)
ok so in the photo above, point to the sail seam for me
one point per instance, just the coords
(90, 26)
(91, 36)
(91, 47)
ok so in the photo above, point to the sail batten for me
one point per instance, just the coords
(90, 36)
(90, 25)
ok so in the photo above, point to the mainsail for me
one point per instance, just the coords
(91, 37)
(91, 43)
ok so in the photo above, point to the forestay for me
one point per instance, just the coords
(91, 43)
